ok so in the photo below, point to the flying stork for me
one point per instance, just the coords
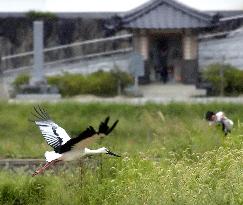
(66, 148)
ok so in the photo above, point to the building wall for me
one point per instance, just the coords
(141, 45)
(190, 54)
(17, 37)
(221, 48)
(190, 47)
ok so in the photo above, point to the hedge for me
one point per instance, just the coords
(99, 83)
(224, 76)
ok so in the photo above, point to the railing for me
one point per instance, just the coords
(72, 52)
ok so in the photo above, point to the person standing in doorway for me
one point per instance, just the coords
(163, 64)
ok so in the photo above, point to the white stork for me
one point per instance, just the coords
(66, 148)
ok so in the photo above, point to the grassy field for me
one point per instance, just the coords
(169, 156)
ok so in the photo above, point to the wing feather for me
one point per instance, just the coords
(54, 135)
(88, 136)
(58, 138)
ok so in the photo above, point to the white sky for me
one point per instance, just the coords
(106, 5)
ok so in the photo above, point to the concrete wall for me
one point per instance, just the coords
(221, 48)
(108, 63)
(17, 37)
(30, 165)
(190, 46)
(141, 44)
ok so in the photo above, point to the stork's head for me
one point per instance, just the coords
(106, 151)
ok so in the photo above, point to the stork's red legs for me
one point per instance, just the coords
(43, 168)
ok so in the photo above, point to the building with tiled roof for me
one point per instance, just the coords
(165, 33)
(166, 24)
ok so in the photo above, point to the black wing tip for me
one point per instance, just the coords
(112, 127)
(107, 119)
(104, 128)
(40, 114)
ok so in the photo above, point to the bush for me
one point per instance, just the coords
(99, 83)
(38, 15)
(232, 80)
(20, 80)
(102, 84)
(69, 84)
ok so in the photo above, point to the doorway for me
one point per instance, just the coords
(165, 57)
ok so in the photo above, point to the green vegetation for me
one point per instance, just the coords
(225, 77)
(99, 83)
(38, 15)
(169, 156)
(20, 80)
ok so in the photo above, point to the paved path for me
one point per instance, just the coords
(170, 90)
(156, 93)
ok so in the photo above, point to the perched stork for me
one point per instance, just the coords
(66, 148)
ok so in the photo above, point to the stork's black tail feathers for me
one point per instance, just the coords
(104, 128)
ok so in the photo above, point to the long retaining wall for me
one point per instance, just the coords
(25, 164)
(223, 48)
(17, 37)
(30, 165)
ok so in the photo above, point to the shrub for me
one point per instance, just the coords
(37, 15)
(69, 84)
(122, 78)
(231, 80)
(99, 83)
(20, 80)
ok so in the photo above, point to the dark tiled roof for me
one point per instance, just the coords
(232, 18)
(165, 14)
(94, 15)
(226, 16)
(12, 14)
(225, 13)
(90, 15)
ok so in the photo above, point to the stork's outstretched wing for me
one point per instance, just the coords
(54, 135)
(88, 136)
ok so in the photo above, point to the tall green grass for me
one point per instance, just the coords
(170, 155)
(214, 177)
(149, 127)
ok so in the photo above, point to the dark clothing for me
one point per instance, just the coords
(164, 74)
(163, 65)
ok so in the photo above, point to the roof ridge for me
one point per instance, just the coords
(144, 8)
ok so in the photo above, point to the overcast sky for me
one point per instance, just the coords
(106, 5)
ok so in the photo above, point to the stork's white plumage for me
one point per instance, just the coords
(66, 148)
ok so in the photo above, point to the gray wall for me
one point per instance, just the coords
(17, 37)
(221, 48)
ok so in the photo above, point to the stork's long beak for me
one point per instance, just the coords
(113, 154)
